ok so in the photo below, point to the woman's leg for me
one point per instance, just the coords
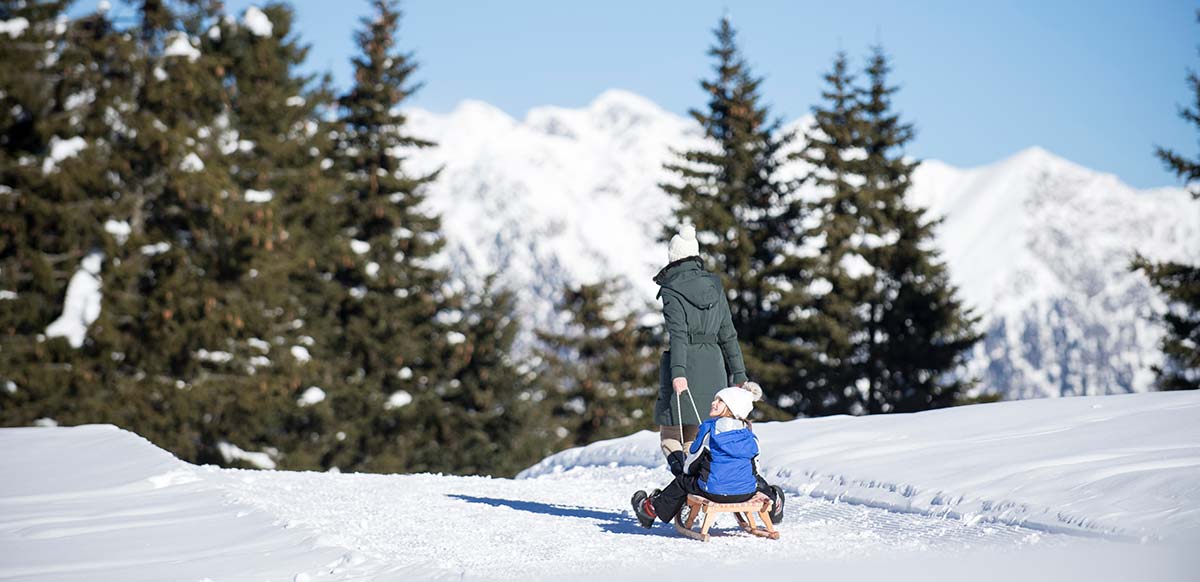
(675, 445)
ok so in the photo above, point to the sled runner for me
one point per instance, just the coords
(744, 512)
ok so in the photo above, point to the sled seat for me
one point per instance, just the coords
(743, 512)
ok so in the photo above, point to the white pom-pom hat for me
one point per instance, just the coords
(739, 401)
(684, 245)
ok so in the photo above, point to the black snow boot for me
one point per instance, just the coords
(643, 509)
(776, 513)
(675, 462)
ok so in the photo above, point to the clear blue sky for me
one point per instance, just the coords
(1096, 82)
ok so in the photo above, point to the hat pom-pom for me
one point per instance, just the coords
(688, 232)
(754, 389)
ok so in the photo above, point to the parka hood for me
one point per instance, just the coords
(688, 279)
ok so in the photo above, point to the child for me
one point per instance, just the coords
(720, 465)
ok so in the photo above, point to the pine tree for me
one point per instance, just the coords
(59, 77)
(746, 213)
(602, 374)
(917, 329)
(833, 150)
(486, 416)
(276, 146)
(1178, 282)
(394, 298)
(893, 331)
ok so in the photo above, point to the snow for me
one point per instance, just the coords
(360, 247)
(259, 344)
(14, 27)
(178, 45)
(120, 230)
(257, 22)
(1122, 466)
(231, 453)
(191, 163)
(312, 395)
(157, 248)
(259, 196)
(61, 149)
(294, 101)
(80, 99)
(81, 306)
(455, 338)
(372, 269)
(216, 356)
(98, 503)
(300, 353)
(398, 399)
(6, 295)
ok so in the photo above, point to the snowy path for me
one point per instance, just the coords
(867, 500)
(575, 522)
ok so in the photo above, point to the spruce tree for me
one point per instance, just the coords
(488, 418)
(893, 331)
(835, 297)
(1179, 282)
(917, 330)
(393, 295)
(61, 77)
(746, 213)
(278, 156)
(602, 373)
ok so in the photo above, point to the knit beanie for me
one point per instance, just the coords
(684, 244)
(739, 401)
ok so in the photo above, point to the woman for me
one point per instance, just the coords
(704, 355)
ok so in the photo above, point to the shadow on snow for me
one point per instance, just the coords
(612, 521)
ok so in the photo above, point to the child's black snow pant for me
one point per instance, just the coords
(669, 501)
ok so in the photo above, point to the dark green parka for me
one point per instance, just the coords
(703, 343)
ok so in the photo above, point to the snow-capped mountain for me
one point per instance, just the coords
(1039, 246)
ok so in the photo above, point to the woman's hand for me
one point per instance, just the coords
(680, 385)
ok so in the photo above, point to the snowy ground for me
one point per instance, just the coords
(97, 503)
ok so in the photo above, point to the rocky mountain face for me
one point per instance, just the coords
(1038, 246)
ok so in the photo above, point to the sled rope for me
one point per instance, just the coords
(679, 408)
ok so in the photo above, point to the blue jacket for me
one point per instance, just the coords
(732, 449)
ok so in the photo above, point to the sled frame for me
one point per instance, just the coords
(743, 512)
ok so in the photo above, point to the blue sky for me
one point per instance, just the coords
(1096, 82)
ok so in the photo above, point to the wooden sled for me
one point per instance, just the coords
(744, 513)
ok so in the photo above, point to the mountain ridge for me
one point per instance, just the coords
(1038, 245)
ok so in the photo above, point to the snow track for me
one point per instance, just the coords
(574, 522)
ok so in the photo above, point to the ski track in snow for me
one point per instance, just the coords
(576, 522)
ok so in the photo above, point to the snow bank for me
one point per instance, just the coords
(99, 503)
(1117, 466)
(82, 304)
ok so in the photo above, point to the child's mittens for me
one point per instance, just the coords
(754, 389)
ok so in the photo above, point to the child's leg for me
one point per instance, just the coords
(764, 487)
(669, 501)
(675, 444)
